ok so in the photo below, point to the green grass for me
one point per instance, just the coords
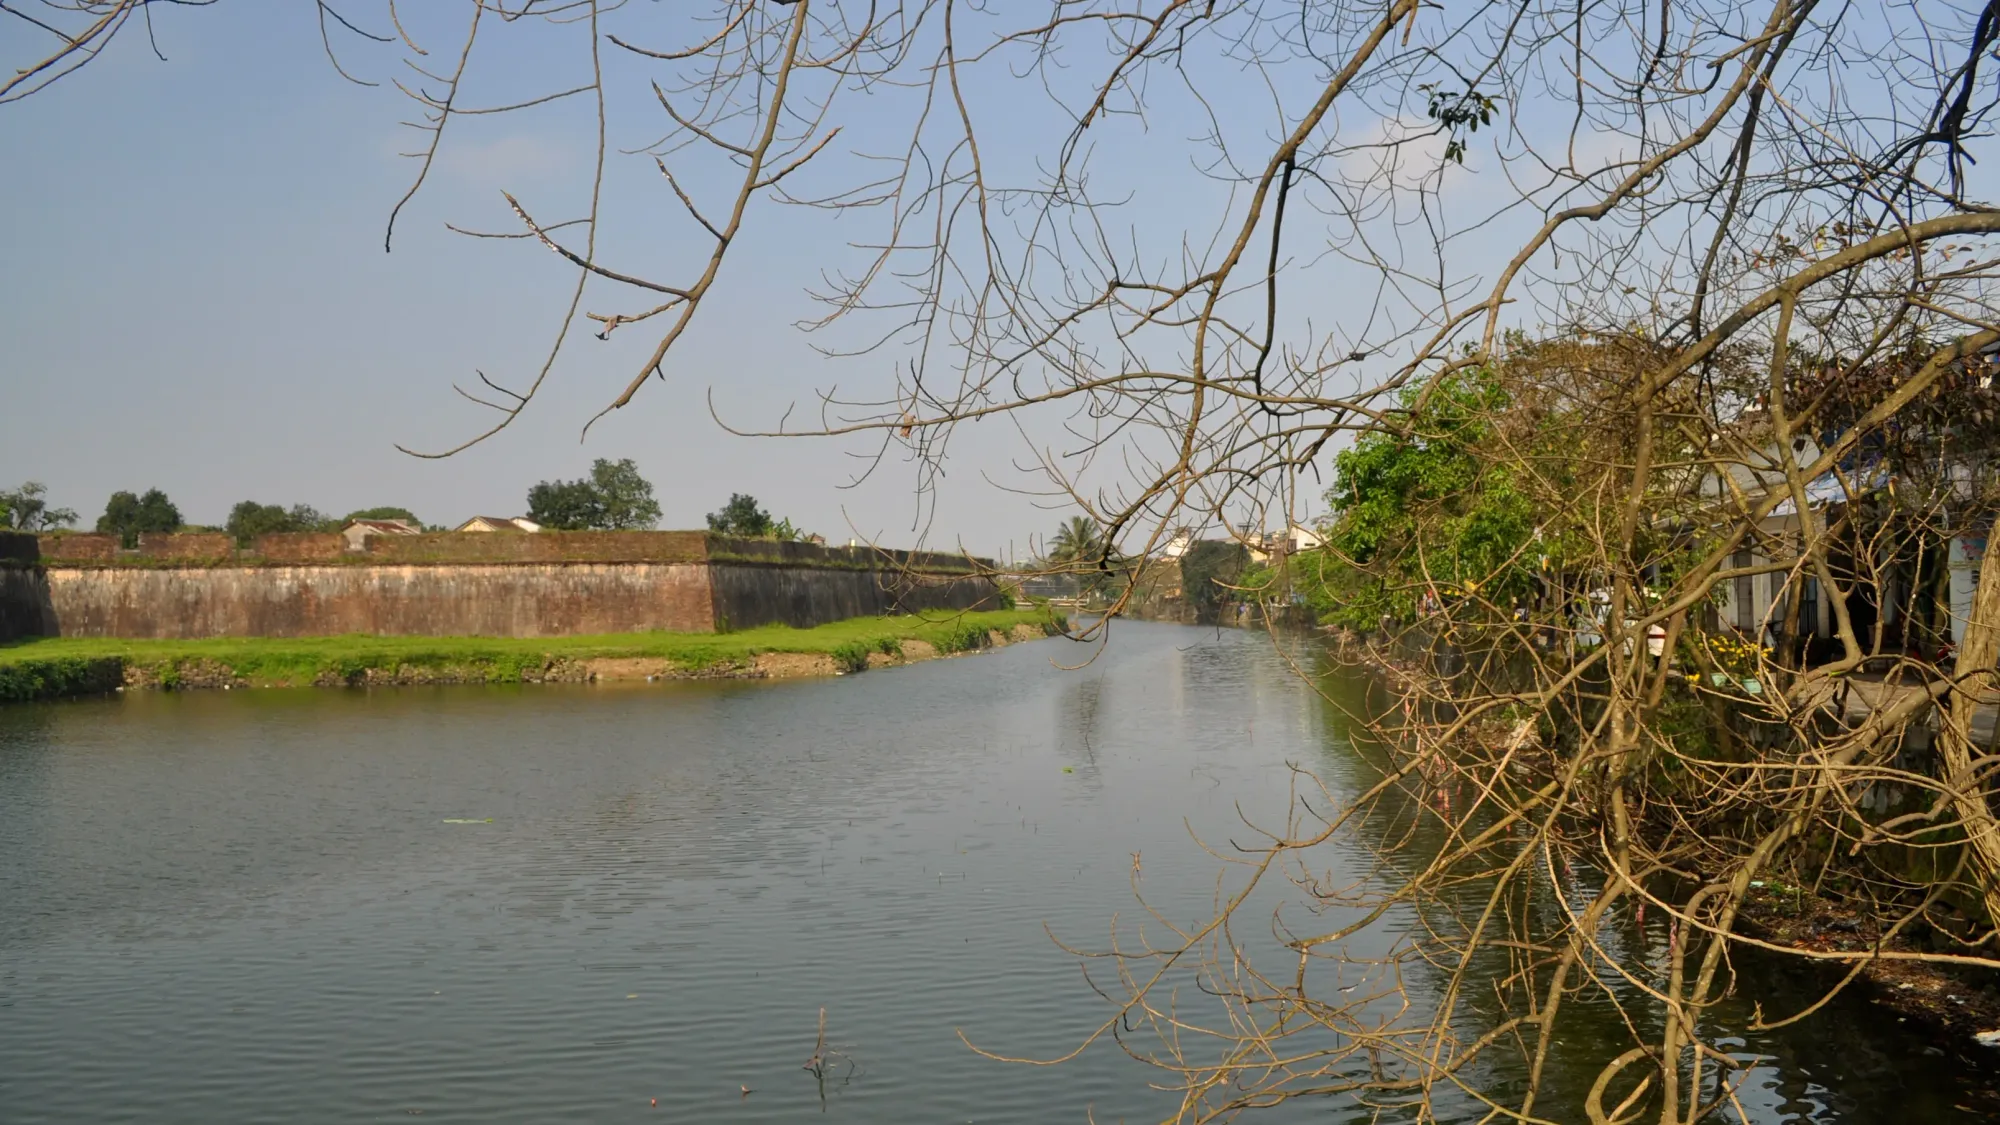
(44, 667)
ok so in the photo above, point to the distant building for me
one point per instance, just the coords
(499, 523)
(1290, 541)
(358, 531)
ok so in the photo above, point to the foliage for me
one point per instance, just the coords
(626, 496)
(56, 676)
(1077, 540)
(613, 498)
(565, 505)
(742, 517)
(24, 509)
(249, 519)
(385, 513)
(1208, 570)
(128, 515)
(1424, 509)
(1079, 546)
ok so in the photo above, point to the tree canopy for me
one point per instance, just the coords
(614, 497)
(385, 513)
(1208, 568)
(25, 509)
(1422, 509)
(127, 515)
(249, 519)
(742, 517)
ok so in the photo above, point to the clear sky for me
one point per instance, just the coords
(197, 299)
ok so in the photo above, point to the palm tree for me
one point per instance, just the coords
(1076, 542)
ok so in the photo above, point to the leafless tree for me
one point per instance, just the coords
(1720, 254)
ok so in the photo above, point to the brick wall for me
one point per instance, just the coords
(79, 548)
(540, 547)
(187, 546)
(300, 547)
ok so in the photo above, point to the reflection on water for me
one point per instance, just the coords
(293, 905)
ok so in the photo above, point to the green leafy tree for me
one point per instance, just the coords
(384, 514)
(565, 505)
(25, 509)
(250, 519)
(613, 498)
(627, 497)
(127, 515)
(742, 517)
(1209, 569)
(1423, 512)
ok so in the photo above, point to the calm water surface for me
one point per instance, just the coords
(256, 906)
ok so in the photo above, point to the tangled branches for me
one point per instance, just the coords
(1648, 341)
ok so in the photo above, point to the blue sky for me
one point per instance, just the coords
(197, 299)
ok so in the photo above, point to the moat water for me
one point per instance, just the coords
(568, 903)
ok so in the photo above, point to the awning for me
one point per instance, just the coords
(1829, 489)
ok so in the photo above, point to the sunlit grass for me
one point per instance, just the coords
(36, 667)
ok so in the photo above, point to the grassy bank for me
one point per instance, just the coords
(48, 667)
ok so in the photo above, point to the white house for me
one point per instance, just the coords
(358, 532)
(499, 523)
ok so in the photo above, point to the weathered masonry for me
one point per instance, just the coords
(447, 584)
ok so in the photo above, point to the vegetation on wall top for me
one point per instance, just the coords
(614, 497)
(128, 515)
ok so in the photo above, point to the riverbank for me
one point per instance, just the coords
(1941, 1010)
(47, 668)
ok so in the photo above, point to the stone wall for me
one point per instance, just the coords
(437, 601)
(499, 584)
(25, 610)
(748, 596)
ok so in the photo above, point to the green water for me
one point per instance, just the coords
(564, 903)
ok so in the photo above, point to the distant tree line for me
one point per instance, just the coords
(129, 515)
(614, 497)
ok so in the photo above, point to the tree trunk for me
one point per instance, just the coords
(1974, 675)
